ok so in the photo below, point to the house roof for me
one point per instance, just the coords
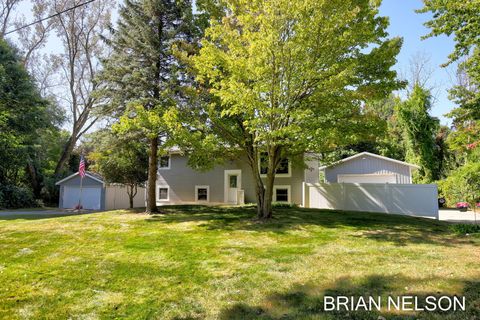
(358, 155)
(91, 175)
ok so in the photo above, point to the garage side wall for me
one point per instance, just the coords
(368, 165)
(409, 199)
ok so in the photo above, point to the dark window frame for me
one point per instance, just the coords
(160, 193)
(160, 165)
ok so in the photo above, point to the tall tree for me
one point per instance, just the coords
(420, 131)
(143, 72)
(79, 31)
(23, 113)
(287, 77)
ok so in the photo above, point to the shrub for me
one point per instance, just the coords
(465, 228)
(283, 205)
(462, 185)
(13, 197)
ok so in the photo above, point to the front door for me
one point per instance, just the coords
(232, 184)
(232, 188)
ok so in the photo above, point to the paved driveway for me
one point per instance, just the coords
(38, 213)
(452, 215)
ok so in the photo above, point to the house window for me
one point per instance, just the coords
(283, 169)
(233, 181)
(281, 193)
(202, 193)
(321, 177)
(163, 193)
(164, 162)
(283, 166)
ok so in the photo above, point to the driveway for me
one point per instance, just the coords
(453, 215)
(38, 213)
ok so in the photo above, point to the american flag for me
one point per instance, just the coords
(81, 167)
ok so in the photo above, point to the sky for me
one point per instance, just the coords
(406, 23)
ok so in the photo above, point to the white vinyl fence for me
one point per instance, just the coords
(116, 197)
(410, 199)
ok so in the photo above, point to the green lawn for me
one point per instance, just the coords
(217, 263)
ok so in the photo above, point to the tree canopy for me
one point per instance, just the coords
(26, 120)
(142, 76)
(462, 20)
(284, 79)
(120, 159)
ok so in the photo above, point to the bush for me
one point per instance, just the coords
(465, 228)
(283, 205)
(462, 185)
(13, 197)
(50, 192)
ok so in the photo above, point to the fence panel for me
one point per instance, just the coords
(410, 199)
(116, 197)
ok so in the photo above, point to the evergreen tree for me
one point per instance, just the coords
(143, 75)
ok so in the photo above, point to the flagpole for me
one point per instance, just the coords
(80, 197)
(81, 173)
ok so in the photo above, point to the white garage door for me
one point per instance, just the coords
(90, 197)
(366, 178)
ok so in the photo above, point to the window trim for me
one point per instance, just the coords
(202, 187)
(158, 193)
(289, 193)
(279, 175)
(169, 162)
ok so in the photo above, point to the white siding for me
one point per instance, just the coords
(409, 199)
(369, 165)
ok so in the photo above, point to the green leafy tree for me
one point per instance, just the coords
(22, 115)
(30, 138)
(120, 159)
(461, 19)
(420, 130)
(283, 78)
(142, 74)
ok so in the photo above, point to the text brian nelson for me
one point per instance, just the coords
(400, 303)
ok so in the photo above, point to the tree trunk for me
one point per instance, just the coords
(152, 177)
(35, 179)
(259, 193)
(131, 202)
(67, 151)
(130, 195)
(252, 156)
(272, 167)
(264, 191)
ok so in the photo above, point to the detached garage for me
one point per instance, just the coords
(93, 192)
(369, 182)
(367, 167)
(96, 194)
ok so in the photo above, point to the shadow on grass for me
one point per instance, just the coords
(398, 229)
(306, 301)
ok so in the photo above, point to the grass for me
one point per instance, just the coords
(217, 263)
